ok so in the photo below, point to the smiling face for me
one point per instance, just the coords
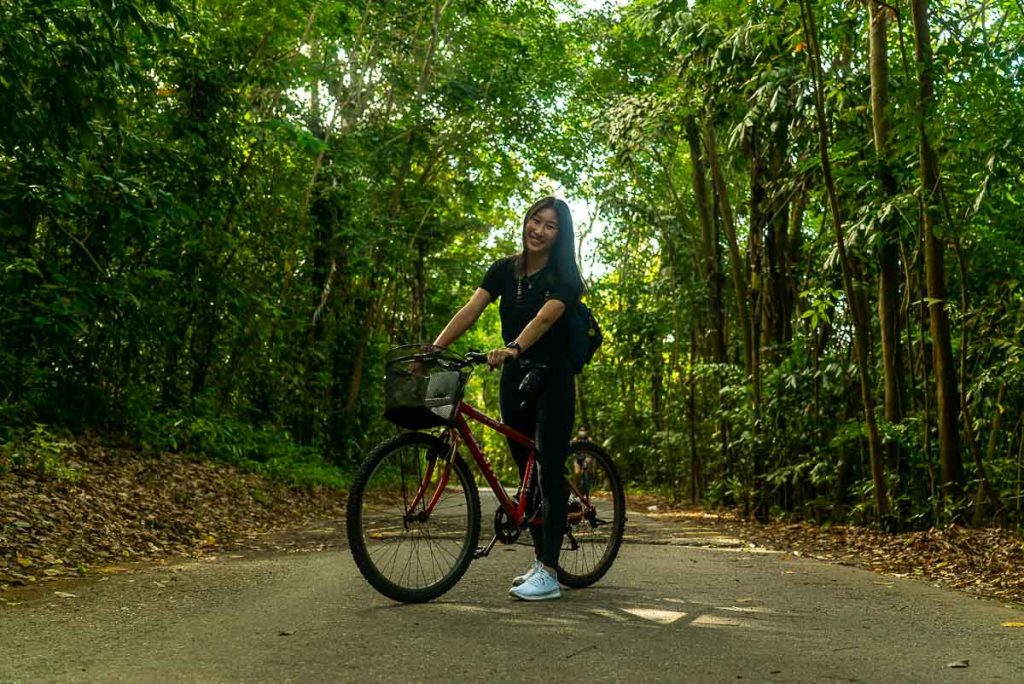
(540, 232)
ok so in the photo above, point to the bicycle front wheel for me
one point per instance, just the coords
(413, 518)
(597, 516)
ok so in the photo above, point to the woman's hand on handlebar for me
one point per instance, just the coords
(496, 358)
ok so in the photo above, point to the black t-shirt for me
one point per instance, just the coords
(520, 300)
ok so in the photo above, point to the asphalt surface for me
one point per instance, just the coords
(680, 605)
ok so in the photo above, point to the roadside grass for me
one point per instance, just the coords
(48, 452)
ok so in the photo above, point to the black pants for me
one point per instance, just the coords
(548, 416)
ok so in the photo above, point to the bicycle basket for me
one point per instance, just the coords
(422, 386)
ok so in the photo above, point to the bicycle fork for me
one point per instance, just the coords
(423, 515)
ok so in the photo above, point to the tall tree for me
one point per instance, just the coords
(854, 296)
(889, 271)
(946, 391)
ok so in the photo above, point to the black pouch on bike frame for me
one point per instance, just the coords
(529, 386)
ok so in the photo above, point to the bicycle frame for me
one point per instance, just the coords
(515, 510)
(516, 513)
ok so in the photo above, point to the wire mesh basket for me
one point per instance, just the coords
(423, 386)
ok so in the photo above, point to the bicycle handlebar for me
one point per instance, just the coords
(474, 358)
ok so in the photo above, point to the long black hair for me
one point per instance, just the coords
(563, 252)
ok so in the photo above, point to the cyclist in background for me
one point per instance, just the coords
(534, 288)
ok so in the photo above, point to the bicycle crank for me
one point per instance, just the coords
(504, 530)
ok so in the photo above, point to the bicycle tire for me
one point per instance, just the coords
(591, 543)
(412, 561)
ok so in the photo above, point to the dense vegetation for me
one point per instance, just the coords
(216, 217)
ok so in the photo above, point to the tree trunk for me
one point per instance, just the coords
(736, 267)
(889, 275)
(993, 438)
(925, 356)
(657, 390)
(696, 465)
(712, 267)
(858, 309)
(769, 209)
(779, 288)
(986, 500)
(369, 323)
(736, 260)
(419, 293)
(756, 225)
(947, 393)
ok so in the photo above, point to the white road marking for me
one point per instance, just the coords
(662, 617)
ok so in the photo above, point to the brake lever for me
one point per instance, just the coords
(475, 357)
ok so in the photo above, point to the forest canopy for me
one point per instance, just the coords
(804, 230)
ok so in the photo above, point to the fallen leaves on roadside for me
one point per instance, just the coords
(126, 507)
(983, 562)
(988, 562)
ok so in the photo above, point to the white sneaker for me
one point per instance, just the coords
(537, 565)
(541, 586)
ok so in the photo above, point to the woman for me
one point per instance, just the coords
(534, 288)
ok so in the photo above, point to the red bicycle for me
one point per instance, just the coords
(414, 508)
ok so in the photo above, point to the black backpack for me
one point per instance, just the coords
(584, 335)
(584, 332)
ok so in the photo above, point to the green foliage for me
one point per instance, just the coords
(262, 450)
(39, 452)
(215, 218)
(788, 434)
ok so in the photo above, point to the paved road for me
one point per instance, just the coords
(670, 610)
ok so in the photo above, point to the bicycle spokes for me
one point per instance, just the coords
(596, 515)
(414, 518)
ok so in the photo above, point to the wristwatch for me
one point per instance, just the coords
(515, 345)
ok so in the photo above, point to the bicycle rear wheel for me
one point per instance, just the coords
(597, 516)
(403, 551)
